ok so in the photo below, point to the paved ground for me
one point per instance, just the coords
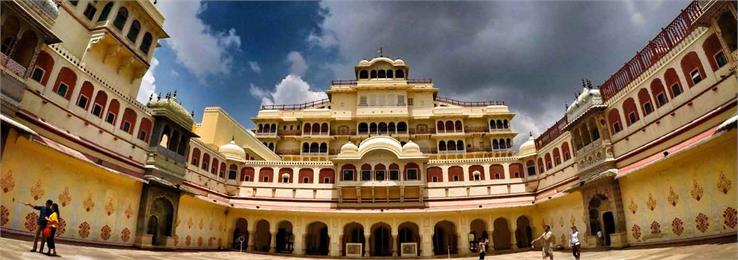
(19, 249)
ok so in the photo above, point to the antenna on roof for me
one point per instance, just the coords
(379, 52)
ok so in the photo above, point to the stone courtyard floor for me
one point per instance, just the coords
(19, 249)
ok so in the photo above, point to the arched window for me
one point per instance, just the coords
(672, 82)
(381, 74)
(195, 157)
(394, 172)
(499, 124)
(441, 127)
(324, 128)
(450, 126)
(271, 146)
(373, 128)
(101, 99)
(105, 12)
(459, 127)
(504, 124)
(658, 92)
(400, 73)
(692, 69)
(286, 175)
(9, 32)
(273, 128)
(222, 170)
(315, 129)
(232, 172)
(144, 129)
(451, 145)
(214, 166)
(379, 172)
(496, 172)
(120, 18)
(630, 110)
(531, 166)
(508, 143)
(455, 173)
(492, 124)
(363, 74)
(112, 112)
(382, 127)
(363, 128)
(146, 43)
(205, 162)
(391, 127)
(25, 48)
(314, 148)
(460, 145)
(347, 172)
(645, 99)
(495, 144)
(441, 146)
(366, 172)
(390, 74)
(85, 95)
(373, 74)
(133, 32)
(265, 174)
(42, 70)
(323, 148)
(402, 127)
(556, 156)
(714, 52)
(65, 83)
(305, 147)
(549, 165)
(565, 151)
(247, 174)
(129, 120)
(541, 167)
(613, 117)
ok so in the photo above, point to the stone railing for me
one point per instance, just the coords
(12, 65)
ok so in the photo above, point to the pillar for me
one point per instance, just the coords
(275, 175)
(316, 175)
(393, 241)
(426, 243)
(491, 244)
(465, 170)
(367, 237)
(514, 241)
(463, 244)
(299, 243)
(250, 242)
(506, 170)
(334, 248)
(295, 175)
(273, 238)
(444, 170)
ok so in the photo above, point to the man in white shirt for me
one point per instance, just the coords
(574, 241)
(547, 238)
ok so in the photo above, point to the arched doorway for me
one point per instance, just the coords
(501, 234)
(240, 231)
(262, 237)
(608, 220)
(353, 233)
(595, 225)
(381, 240)
(160, 220)
(523, 233)
(316, 239)
(444, 238)
(479, 228)
(408, 233)
(285, 240)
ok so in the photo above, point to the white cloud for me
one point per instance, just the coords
(255, 66)
(148, 83)
(298, 66)
(291, 90)
(201, 50)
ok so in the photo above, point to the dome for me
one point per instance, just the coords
(364, 63)
(411, 147)
(528, 147)
(170, 108)
(398, 62)
(232, 151)
(349, 147)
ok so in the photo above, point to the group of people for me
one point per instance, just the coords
(48, 219)
(547, 238)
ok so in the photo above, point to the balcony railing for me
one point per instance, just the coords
(289, 132)
(312, 104)
(551, 133)
(470, 103)
(343, 82)
(422, 132)
(419, 81)
(12, 65)
(669, 37)
(476, 129)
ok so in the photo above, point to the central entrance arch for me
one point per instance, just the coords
(501, 234)
(262, 237)
(316, 239)
(479, 228)
(444, 238)
(408, 233)
(241, 230)
(284, 238)
(523, 233)
(353, 233)
(381, 244)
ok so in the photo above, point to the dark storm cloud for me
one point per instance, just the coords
(530, 54)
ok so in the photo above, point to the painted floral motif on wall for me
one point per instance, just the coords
(128, 211)
(673, 197)
(702, 222)
(37, 190)
(200, 225)
(730, 217)
(677, 226)
(651, 203)
(88, 203)
(105, 232)
(636, 231)
(199, 241)
(696, 191)
(633, 207)
(109, 207)
(7, 182)
(84, 229)
(210, 241)
(655, 228)
(188, 240)
(4, 215)
(723, 183)
(563, 240)
(65, 197)
(125, 234)
(30, 223)
(61, 227)
(189, 223)
(175, 237)
(176, 223)
(211, 224)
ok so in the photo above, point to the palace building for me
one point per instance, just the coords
(385, 166)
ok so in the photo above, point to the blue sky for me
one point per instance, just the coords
(238, 55)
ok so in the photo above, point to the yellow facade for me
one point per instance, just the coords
(384, 167)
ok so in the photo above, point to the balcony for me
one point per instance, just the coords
(45, 11)
(469, 103)
(287, 133)
(12, 92)
(477, 129)
(12, 65)
(426, 131)
(314, 104)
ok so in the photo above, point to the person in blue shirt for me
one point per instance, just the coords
(44, 212)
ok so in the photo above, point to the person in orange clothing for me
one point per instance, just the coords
(53, 220)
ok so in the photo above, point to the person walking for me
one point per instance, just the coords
(53, 220)
(482, 248)
(547, 238)
(44, 211)
(575, 244)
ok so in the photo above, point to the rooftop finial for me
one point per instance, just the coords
(233, 138)
(530, 133)
(584, 84)
(151, 97)
(158, 97)
(175, 93)
(589, 84)
(379, 52)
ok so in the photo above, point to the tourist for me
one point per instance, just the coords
(547, 238)
(53, 219)
(482, 248)
(44, 211)
(575, 244)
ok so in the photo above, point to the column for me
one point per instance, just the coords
(250, 242)
(334, 249)
(295, 175)
(444, 170)
(393, 241)
(463, 245)
(514, 241)
(491, 244)
(299, 243)
(276, 176)
(257, 178)
(487, 173)
(426, 244)
(367, 237)
(465, 170)
(506, 170)
(316, 175)
(273, 239)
